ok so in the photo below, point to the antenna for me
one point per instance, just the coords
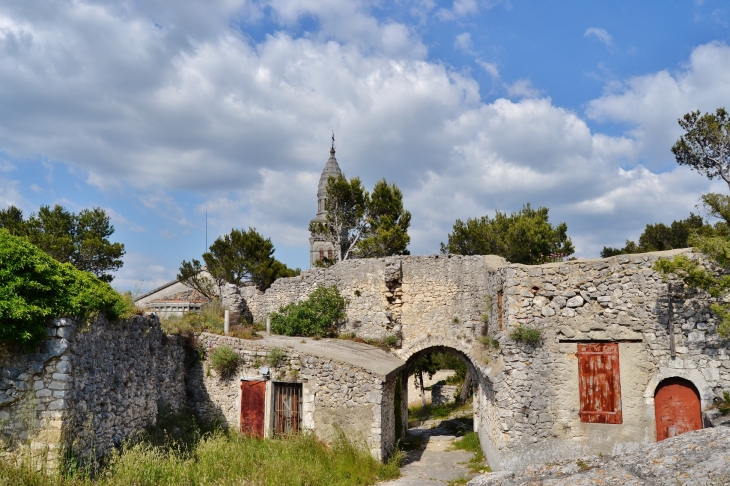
(206, 231)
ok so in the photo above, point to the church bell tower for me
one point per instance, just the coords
(319, 246)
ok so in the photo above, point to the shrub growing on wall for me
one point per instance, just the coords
(315, 316)
(224, 360)
(34, 288)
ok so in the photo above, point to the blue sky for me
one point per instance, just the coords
(162, 111)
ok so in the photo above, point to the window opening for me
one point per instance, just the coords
(329, 254)
(321, 254)
(287, 408)
(599, 383)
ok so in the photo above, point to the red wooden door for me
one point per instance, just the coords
(599, 381)
(253, 402)
(677, 408)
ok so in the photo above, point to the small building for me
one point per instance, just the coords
(172, 299)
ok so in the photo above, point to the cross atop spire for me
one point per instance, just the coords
(332, 150)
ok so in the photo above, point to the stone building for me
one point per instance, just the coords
(319, 246)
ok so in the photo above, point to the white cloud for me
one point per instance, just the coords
(522, 88)
(463, 42)
(651, 104)
(490, 68)
(601, 34)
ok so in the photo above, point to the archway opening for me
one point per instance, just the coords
(677, 408)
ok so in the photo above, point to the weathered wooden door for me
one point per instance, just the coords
(253, 403)
(677, 408)
(599, 381)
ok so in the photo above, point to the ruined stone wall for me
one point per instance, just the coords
(121, 372)
(620, 299)
(335, 394)
(88, 387)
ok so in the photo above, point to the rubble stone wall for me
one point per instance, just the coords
(335, 394)
(87, 387)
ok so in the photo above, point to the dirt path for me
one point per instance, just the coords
(432, 463)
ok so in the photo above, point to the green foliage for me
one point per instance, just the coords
(35, 287)
(705, 145)
(210, 318)
(317, 315)
(275, 357)
(79, 239)
(660, 237)
(526, 334)
(224, 360)
(361, 225)
(525, 237)
(489, 342)
(724, 405)
(178, 453)
(470, 443)
(388, 222)
(241, 256)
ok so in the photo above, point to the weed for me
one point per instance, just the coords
(244, 332)
(275, 357)
(224, 360)
(358, 293)
(470, 443)
(455, 320)
(489, 342)
(582, 465)
(724, 405)
(391, 340)
(526, 334)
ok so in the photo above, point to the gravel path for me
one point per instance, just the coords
(434, 464)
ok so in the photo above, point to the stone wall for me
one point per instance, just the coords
(88, 387)
(336, 393)
(534, 393)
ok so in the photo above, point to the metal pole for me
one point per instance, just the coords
(227, 322)
(268, 325)
(672, 351)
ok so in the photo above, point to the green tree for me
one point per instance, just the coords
(317, 315)
(387, 223)
(525, 236)
(705, 147)
(660, 237)
(80, 239)
(361, 225)
(35, 287)
(238, 257)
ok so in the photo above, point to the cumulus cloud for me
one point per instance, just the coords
(242, 126)
(651, 104)
(601, 34)
(522, 88)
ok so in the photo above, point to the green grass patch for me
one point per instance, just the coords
(177, 453)
(470, 443)
(526, 334)
(224, 360)
(420, 414)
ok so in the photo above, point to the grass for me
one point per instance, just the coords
(420, 414)
(224, 360)
(526, 335)
(388, 342)
(724, 405)
(180, 454)
(470, 443)
(210, 318)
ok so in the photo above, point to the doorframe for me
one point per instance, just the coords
(306, 421)
(692, 375)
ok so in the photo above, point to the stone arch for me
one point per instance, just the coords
(692, 375)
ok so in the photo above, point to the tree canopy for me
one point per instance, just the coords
(79, 239)
(238, 257)
(362, 225)
(705, 145)
(317, 315)
(525, 236)
(660, 237)
(35, 287)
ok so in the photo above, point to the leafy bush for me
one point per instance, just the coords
(315, 316)
(724, 405)
(210, 318)
(224, 360)
(34, 288)
(526, 334)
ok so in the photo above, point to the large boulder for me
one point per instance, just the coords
(696, 458)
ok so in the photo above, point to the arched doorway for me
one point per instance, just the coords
(677, 408)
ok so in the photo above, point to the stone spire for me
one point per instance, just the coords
(319, 247)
